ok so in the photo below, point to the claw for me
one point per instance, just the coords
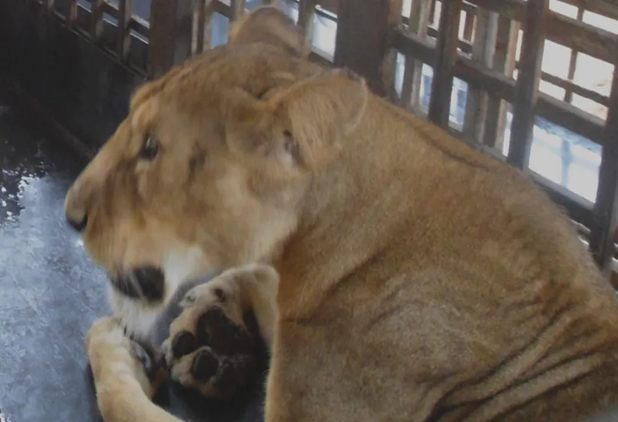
(141, 355)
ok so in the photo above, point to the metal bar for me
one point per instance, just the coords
(483, 52)
(96, 23)
(72, 15)
(237, 9)
(432, 12)
(567, 85)
(504, 63)
(608, 8)
(413, 70)
(137, 24)
(199, 23)
(49, 4)
(468, 26)
(123, 43)
(170, 35)
(566, 115)
(561, 29)
(528, 83)
(568, 93)
(606, 206)
(306, 15)
(362, 31)
(442, 83)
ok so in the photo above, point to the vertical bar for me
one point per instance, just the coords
(237, 8)
(606, 206)
(50, 5)
(442, 84)
(568, 94)
(306, 14)
(96, 20)
(529, 76)
(361, 43)
(389, 61)
(199, 21)
(432, 12)
(72, 17)
(483, 49)
(170, 34)
(469, 26)
(209, 13)
(504, 62)
(413, 71)
(202, 25)
(123, 44)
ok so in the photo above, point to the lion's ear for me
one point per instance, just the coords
(269, 25)
(304, 126)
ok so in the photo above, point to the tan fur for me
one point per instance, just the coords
(419, 280)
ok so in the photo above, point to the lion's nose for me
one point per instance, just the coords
(77, 224)
(75, 211)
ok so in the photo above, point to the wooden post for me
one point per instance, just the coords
(606, 206)
(442, 84)
(170, 35)
(362, 35)
(528, 82)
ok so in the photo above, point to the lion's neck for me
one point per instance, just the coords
(350, 212)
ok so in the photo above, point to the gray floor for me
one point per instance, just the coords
(50, 292)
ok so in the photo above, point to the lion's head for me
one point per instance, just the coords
(210, 167)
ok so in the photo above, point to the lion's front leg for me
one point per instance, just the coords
(125, 376)
(211, 349)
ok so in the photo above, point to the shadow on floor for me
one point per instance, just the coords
(51, 292)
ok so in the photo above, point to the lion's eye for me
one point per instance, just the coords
(150, 149)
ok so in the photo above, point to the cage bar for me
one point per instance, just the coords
(413, 71)
(442, 84)
(528, 79)
(306, 16)
(606, 207)
(125, 10)
(96, 20)
(483, 50)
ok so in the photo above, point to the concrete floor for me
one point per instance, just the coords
(50, 291)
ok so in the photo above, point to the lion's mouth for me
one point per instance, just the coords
(144, 283)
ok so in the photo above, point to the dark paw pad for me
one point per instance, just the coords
(228, 378)
(183, 344)
(214, 329)
(204, 366)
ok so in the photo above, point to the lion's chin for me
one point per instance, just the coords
(145, 284)
(139, 297)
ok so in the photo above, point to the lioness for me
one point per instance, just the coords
(403, 276)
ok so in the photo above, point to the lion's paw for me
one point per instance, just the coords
(117, 360)
(210, 348)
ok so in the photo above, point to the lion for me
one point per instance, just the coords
(396, 273)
